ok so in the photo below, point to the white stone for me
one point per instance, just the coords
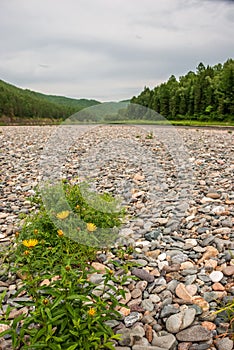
(191, 241)
(216, 276)
(161, 264)
(162, 256)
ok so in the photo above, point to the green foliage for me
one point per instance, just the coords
(227, 312)
(206, 95)
(65, 313)
(16, 102)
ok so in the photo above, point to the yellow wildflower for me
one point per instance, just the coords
(91, 311)
(63, 215)
(26, 252)
(35, 231)
(30, 243)
(60, 233)
(77, 206)
(91, 227)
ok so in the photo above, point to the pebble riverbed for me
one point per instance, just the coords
(177, 184)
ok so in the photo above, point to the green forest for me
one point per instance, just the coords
(204, 95)
(26, 104)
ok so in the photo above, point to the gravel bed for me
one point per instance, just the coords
(177, 184)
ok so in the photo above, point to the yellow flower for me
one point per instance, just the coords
(63, 215)
(77, 206)
(30, 243)
(91, 227)
(35, 231)
(91, 311)
(26, 252)
(60, 233)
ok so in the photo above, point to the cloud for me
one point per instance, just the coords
(109, 49)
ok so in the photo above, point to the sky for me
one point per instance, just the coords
(110, 49)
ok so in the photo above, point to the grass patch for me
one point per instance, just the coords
(64, 311)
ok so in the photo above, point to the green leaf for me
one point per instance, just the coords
(78, 297)
(72, 347)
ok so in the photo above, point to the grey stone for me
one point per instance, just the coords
(143, 275)
(143, 347)
(180, 321)
(137, 332)
(112, 323)
(168, 310)
(165, 342)
(194, 334)
(147, 305)
(225, 344)
(126, 338)
(132, 318)
(96, 278)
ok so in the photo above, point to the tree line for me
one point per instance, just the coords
(205, 95)
(16, 102)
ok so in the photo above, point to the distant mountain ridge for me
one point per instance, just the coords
(26, 104)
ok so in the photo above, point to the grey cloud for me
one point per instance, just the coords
(109, 49)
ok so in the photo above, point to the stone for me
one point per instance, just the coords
(153, 254)
(210, 326)
(124, 311)
(179, 258)
(143, 275)
(216, 276)
(144, 347)
(191, 289)
(17, 312)
(112, 323)
(213, 195)
(169, 310)
(194, 334)
(132, 318)
(148, 333)
(165, 342)
(147, 305)
(228, 270)
(101, 268)
(211, 264)
(154, 298)
(201, 302)
(126, 338)
(191, 241)
(180, 321)
(184, 346)
(137, 332)
(186, 265)
(209, 253)
(218, 287)
(141, 285)
(136, 293)
(182, 292)
(225, 344)
(162, 256)
(96, 278)
(126, 298)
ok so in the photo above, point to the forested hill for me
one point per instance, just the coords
(205, 95)
(26, 104)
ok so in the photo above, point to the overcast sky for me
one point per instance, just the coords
(110, 49)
